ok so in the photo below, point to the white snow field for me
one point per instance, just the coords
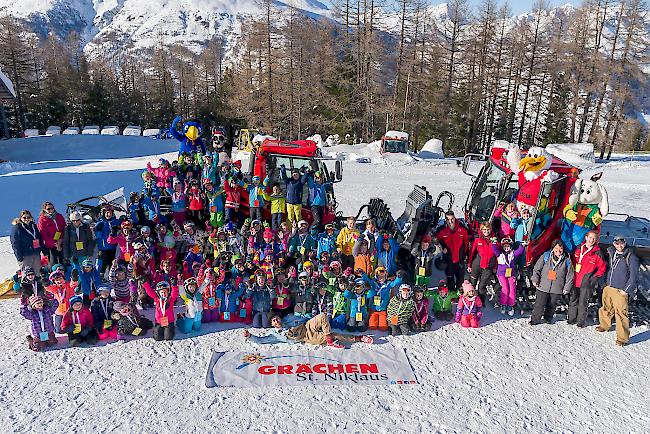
(503, 377)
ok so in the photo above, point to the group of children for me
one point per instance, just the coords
(199, 255)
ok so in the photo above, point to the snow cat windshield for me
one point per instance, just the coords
(395, 146)
(490, 186)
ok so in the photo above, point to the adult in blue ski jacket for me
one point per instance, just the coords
(106, 251)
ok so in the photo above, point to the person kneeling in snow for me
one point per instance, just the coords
(316, 331)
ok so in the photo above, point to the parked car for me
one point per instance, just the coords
(132, 130)
(110, 130)
(31, 132)
(90, 130)
(53, 130)
(70, 131)
(151, 132)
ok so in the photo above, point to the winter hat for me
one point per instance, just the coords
(335, 264)
(35, 300)
(28, 270)
(75, 299)
(303, 274)
(506, 241)
(104, 288)
(55, 274)
(87, 263)
(268, 233)
(467, 287)
(307, 264)
(303, 223)
(145, 230)
(426, 239)
(119, 305)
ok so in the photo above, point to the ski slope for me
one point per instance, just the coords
(503, 377)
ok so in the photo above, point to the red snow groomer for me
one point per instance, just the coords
(495, 184)
(270, 155)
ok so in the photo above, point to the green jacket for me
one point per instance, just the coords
(443, 304)
(339, 302)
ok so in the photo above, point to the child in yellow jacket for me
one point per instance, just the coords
(278, 206)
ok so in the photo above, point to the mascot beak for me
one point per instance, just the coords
(192, 133)
(532, 164)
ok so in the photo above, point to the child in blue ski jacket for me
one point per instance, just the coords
(229, 301)
(89, 281)
(360, 298)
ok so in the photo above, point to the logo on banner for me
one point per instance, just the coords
(328, 370)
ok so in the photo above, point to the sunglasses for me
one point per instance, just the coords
(619, 240)
(49, 208)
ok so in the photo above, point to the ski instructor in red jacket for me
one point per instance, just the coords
(590, 266)
(455, 241)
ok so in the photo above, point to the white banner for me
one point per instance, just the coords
(383, 365)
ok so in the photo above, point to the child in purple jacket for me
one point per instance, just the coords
(40, 311)
(507, 272)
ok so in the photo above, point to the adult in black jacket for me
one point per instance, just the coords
(27, 242)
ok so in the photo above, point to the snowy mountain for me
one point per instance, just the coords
(109, 27)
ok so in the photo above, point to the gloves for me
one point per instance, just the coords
(114, 230)
(597, 219)
(400, 273)
(571, 215)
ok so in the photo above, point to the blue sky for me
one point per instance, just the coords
(518, 6)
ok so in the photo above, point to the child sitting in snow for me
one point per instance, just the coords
(39, 311)
(129, 321)
(78, 323)
(469, 313)
(400, 310)
(421, 320)
(102, 310)
(442, 298)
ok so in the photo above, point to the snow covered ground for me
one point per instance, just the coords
(504, 377)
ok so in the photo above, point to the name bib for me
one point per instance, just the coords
(164, 321)
(79, 245)
(43, 336)
(77, 329)
(108, 323)
(242, 313)
(136, 331)
(36, 244)
(57, 236)
(359, 316)
(508, 272)
(226, 316)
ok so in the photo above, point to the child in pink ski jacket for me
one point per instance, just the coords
(164, 298)
(469, 313)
